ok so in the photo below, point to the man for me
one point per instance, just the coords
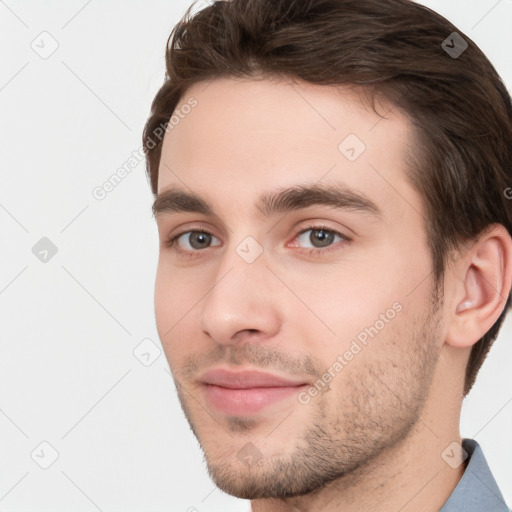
(335, 259)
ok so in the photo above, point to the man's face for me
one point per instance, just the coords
(331, 305)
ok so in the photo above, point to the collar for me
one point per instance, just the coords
(477, 490)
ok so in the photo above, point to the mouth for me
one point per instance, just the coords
(246, 392)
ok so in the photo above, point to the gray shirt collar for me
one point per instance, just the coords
(477, 490)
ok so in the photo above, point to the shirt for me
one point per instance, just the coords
(477, 490)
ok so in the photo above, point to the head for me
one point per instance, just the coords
(334, 183)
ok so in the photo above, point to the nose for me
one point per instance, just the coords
(243, 302)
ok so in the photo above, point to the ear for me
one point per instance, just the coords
(480, 284)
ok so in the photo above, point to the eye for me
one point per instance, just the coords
(196, 240)
(319, 238)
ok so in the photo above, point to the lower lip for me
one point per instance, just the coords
(246, 401)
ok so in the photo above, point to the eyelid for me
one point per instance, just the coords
(318, 227)
(202, 228)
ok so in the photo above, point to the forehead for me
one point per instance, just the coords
(243, 135)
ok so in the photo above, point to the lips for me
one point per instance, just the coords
(246, 379)
(246, 392)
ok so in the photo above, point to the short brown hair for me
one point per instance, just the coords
(458, 104)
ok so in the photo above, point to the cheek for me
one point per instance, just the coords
(176, 301)
(171, 301)
(165, 298)
(365, 300)
(347, 297)
(174, 294)
(374, 356)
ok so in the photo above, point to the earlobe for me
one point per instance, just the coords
(480, 294)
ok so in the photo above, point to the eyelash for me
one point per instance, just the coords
(171, 242)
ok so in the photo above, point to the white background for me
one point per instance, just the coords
(68, 327)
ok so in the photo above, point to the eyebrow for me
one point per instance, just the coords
(284, 200)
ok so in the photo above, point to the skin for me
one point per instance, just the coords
(372, 440)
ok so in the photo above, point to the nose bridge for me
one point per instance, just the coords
(240, 297)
